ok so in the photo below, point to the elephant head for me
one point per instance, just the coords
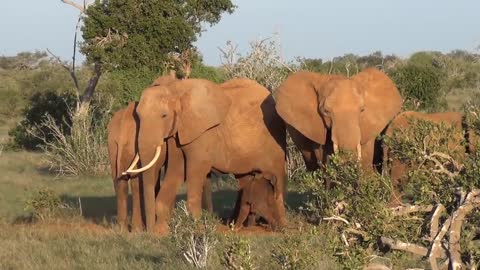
(185, 109)
(355, 110)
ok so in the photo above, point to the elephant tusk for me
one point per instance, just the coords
(149, 165)
(359, 152)
(134, 163)
(335, 148)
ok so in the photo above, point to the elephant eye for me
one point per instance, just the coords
(164, 115)
(362, 109)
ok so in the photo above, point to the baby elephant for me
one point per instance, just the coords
(258, 198)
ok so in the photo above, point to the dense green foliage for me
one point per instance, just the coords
(128, 34)
(40, 105)
(420, 84)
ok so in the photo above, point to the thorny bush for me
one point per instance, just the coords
(196, 239)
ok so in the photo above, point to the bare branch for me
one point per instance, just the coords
(399, 245)
(338, 219)
(81, 8)
(69, 69)
(435, 220)
(471, 202)
(404, 210)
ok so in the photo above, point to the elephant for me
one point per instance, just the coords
(398, 169)
(226, 128)
(328, 113)
(256, 197)
(122, 148)
(122, 130)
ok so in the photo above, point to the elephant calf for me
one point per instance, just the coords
(398, 168)
(257, 197)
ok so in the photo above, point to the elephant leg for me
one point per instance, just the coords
(280, 198)
(137, 223)
(173, 179)
(121, 191)
(397, 172)
(196, 176)
(242, 182)
(243, 213)
(251, 220)
(367, 155)
(149, 181)
(207, 203)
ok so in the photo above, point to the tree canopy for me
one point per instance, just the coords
(126, 34)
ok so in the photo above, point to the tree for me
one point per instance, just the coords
(131, 34)
(128, 35)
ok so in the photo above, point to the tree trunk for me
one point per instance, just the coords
(84, 100)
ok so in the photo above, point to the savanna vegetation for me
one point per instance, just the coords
(58, 204)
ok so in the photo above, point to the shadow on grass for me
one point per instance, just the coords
(101, 209)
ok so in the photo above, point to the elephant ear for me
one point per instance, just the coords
(382, 102)
(202, 108)
(297, 104)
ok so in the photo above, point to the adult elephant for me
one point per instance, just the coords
(122, 148)
(325, 113)
(227, 128)
(122, 130)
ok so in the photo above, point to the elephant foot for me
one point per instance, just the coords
(237, 229)
(136, 228)
(122, 227)
(161, 229)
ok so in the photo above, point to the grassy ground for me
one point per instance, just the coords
(91, 241)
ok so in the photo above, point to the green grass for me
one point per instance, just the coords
(91, 241)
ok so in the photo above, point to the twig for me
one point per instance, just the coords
(338, 219)
(404, 210)
(70, 70)
(81, 8)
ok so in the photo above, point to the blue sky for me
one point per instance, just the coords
(310, 28)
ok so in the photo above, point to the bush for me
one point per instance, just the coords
(127, 85)
(45, 205)
(195, 238)
(82, 151)
(263, 63)
(443, 181)
(238, 254)
(42, 104)
(420, 84)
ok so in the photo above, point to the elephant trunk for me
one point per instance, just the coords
(347, 136)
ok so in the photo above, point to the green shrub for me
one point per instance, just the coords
(420, 84)
(39, 105)
(295, 252)
(83, 151)
(45, 205)
(210, 73)
(440, 173)
(196, 239)
(238, 253)
(127, 85)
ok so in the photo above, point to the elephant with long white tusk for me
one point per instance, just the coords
(227, 128)
(329, 113)
(122, 138)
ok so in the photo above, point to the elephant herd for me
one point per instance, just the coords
(193, 127)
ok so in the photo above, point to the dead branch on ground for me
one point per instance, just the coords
(440, 248)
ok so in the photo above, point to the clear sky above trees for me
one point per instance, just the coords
(309, 28)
